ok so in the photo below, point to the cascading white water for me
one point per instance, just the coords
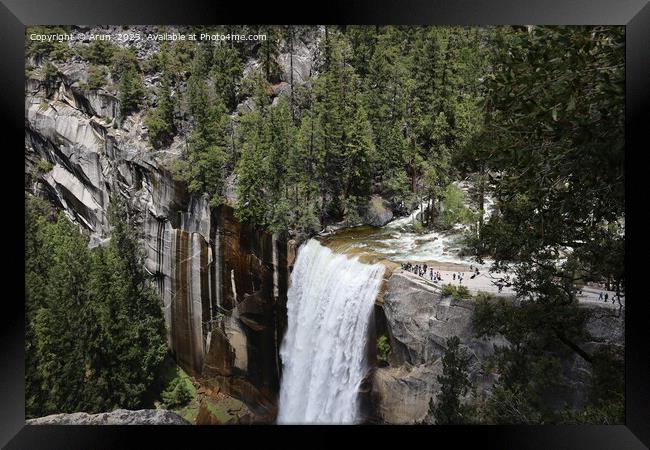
(329, 306)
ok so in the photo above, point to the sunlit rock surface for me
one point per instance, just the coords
(117, 417)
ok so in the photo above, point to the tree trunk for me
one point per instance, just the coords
(293, 114)
(481, 197)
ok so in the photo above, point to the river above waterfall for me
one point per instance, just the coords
(398, 242)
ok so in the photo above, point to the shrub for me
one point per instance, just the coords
(97, 52)
(448, 289)
(96, 77)
(43, 166)
(122, 61)
(457, 292)
(454, 210)
(177, 394)
(383, 349)
(461, 292)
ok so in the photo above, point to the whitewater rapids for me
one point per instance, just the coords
(323, 353)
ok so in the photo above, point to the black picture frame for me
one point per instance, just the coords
(15, 15)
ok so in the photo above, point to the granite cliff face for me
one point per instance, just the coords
(417, 319)
(223, 284)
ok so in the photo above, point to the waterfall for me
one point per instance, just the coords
(329, 305)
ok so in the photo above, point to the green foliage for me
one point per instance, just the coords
(54, 49)
(174, 57)
(448, 289)
(96, 77)
(50, 77)
(454, 209)
(457, 292)
(268, 52)
(307, 223)
(95, 332)
(97, 52)
(226, 73)
(264, 177)
(561, 180)
(369, 123)
(461, 292)
(178, 392)
(530, 369)
(204, 168)
(160, 121)
(383, 349)
(131, 91)
(454, 384)
(123, 60)
(43, 166)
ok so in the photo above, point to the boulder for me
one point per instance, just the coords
(403, 393)
(117, 417)
(379, 212)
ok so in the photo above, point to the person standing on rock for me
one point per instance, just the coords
(600, 296)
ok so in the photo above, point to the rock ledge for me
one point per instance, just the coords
(117, 417)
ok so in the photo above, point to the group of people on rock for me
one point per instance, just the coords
(422, 270)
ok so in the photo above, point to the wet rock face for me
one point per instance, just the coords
(117, 417)
(223, 284)
(245, 342)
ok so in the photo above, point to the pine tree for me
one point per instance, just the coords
(358, 162)
(94, 325)
(269, 51)
(206, 159)
(454, 383)
(226, 72)
(251, 172)
(160, 122)
(131, 91)
(127, 341)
